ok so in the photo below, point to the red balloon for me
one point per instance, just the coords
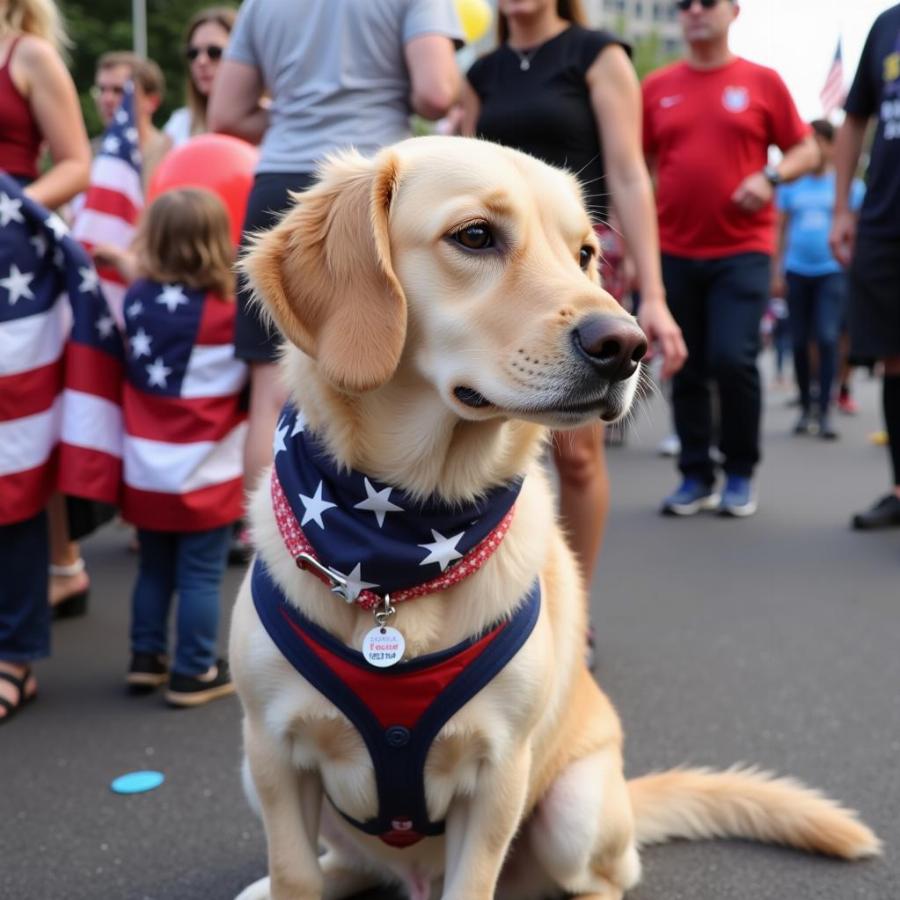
(217, 162)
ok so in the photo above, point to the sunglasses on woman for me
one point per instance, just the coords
(213, 51)
(685, 5)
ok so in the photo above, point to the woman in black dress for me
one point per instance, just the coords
(570, 96)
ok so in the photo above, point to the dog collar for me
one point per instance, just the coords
(369, 541)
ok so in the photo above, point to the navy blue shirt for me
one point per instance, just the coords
(876, 91)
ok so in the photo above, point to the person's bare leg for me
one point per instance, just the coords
(267, 396)
(583, 491)
(65, 554)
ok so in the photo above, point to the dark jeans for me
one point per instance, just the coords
(817, 308)
(191, 563)
(719, 304)
(24, 605)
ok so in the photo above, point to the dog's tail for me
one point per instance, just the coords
(746, 803)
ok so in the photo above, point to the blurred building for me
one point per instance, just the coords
(639, 20)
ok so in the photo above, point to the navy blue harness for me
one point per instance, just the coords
(399, 711)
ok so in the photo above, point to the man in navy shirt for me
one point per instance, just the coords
(873, 242)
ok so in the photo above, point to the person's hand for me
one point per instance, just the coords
(843, 236)
(108, 256)
(663, 331)
(778, 286)
(753, 193)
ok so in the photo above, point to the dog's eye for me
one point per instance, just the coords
(477, 236)
(585, 255)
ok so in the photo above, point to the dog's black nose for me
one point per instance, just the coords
(613, 345)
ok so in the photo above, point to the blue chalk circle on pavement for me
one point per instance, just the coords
(137, 782)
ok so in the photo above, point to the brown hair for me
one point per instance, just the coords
(196, 102)
(184, 237)
(144, 71)
(570, 10)
(824, 129)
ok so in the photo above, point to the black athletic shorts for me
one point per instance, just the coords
(253, 340)
(875, 299)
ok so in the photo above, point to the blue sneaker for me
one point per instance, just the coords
(738, 499)
(692, 496)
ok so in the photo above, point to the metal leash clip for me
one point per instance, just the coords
(384, 612)
(339, 584)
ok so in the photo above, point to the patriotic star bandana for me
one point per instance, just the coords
(376, 537)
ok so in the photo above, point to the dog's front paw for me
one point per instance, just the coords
(259, 890)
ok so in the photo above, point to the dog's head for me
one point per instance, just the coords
(466, 264)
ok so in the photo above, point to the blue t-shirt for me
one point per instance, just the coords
(809, 203)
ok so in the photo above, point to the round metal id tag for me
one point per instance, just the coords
(383, 646)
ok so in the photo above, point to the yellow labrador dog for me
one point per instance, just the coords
(442, 309)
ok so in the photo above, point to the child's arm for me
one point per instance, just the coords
(123, 261)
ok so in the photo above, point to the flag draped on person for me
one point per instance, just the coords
(110, 208)
(833, 92)
(184, 416)
(60, 365)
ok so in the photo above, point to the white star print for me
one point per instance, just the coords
(443, 551)
(140, 344)
(90, 280)
(105, 326)
(17, 284)
(121, 117)
(314, 507)
(135, 309)
(158, 373)
(40, 244)
(131, 134)
(172, 297)
(278, 444)
(299, 424)
(111, 144)
(378, 502)
(57, 226)
(59, 258)
(355, 585)
(10, 210)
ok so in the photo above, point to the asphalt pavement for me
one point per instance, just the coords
(771, 640)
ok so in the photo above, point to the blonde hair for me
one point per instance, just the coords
(197, 102)
(41, 18)
(570, 10)
(184, 237)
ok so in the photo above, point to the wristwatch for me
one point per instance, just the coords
(773, 176)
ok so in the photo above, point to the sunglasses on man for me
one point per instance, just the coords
(213, 51)
(685, 5)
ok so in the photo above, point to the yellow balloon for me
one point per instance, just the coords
(475, 17)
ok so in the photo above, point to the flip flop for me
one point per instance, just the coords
(19, 683)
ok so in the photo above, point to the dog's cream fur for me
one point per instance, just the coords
(387, 315)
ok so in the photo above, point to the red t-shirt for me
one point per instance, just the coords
(706, 130)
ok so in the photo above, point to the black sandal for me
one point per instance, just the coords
(19, 683)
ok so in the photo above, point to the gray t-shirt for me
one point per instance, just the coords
(335, 70)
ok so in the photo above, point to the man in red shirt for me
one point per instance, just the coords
(708, 124)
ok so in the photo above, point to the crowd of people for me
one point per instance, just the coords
(710, 228)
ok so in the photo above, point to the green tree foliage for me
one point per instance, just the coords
(97, 26)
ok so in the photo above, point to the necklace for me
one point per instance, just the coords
(525, 56)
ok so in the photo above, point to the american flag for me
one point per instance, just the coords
(833, 92)
(183, 412)
(109, 210)
(60, 365)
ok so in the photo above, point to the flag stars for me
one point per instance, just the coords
(57, 226)
(135, 309)
(172, 297)
(314, 507)
(354, 584)
(299, 424)
(443, 550)
(140, 344)
(17, 284)
(278, 443)
(10, 210)
(105, 326)
(111, 144)
(39, 242)
(158, 373)
(378, 502)
(90, 280)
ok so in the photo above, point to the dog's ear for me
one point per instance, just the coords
(324, 273)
